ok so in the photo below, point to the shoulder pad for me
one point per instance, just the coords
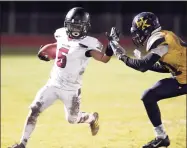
(91, 43)
(61, 32)
(155, 40)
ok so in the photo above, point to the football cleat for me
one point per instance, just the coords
(94, 125)
(158, 142)
(17, 146)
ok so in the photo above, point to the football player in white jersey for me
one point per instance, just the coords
(73, 49)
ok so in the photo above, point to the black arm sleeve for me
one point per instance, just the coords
(159, 68)
(141, 64)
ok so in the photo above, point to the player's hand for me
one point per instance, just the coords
(117, 49)
(114, 34)
(43, 56)
(137, 54)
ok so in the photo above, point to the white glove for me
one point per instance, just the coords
(114, 34)
(137, 54)
(117, 49)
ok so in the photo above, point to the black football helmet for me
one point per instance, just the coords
(143, 25)
(77, 23)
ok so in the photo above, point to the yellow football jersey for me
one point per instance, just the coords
(175, 58)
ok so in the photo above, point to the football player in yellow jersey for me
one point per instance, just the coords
(166, 53)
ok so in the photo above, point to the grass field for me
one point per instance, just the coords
(111, 89)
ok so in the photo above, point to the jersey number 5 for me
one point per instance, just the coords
(62, 59)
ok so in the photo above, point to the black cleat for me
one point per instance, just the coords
(95, 124)
(17, 146)
(158, 142)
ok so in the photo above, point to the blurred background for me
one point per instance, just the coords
(33, 23)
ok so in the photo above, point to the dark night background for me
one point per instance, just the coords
(44, 17)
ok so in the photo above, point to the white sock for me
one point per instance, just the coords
(90, 119)
(160, 132)
(85, 117)
(28, 129)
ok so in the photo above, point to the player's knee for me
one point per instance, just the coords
(148, 96)
(35, 111)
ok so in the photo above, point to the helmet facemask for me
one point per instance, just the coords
(143, 25)
(138, 37)
(76, 30)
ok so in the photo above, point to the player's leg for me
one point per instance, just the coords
(71, 101)
(163, 89)
(44, 98)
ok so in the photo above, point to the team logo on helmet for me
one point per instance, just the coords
(142, 23)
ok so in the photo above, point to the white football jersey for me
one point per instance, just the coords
(71, 60)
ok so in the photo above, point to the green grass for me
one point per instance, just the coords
(111, 89)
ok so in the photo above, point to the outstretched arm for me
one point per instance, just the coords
(100, 56)
(159, 68)
(146, 63)
(149, 62)
(140, 64)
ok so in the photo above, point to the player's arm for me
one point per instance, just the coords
(157, 49)
(148, 62)
(95, 50)
(157, 67)
(46, 52)
(144, 64)
(100, 56)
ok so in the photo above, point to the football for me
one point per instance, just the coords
(49, 50)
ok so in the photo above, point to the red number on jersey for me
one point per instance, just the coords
(62, 59)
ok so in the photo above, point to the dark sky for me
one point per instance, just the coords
(100, 6)
(59, 8)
